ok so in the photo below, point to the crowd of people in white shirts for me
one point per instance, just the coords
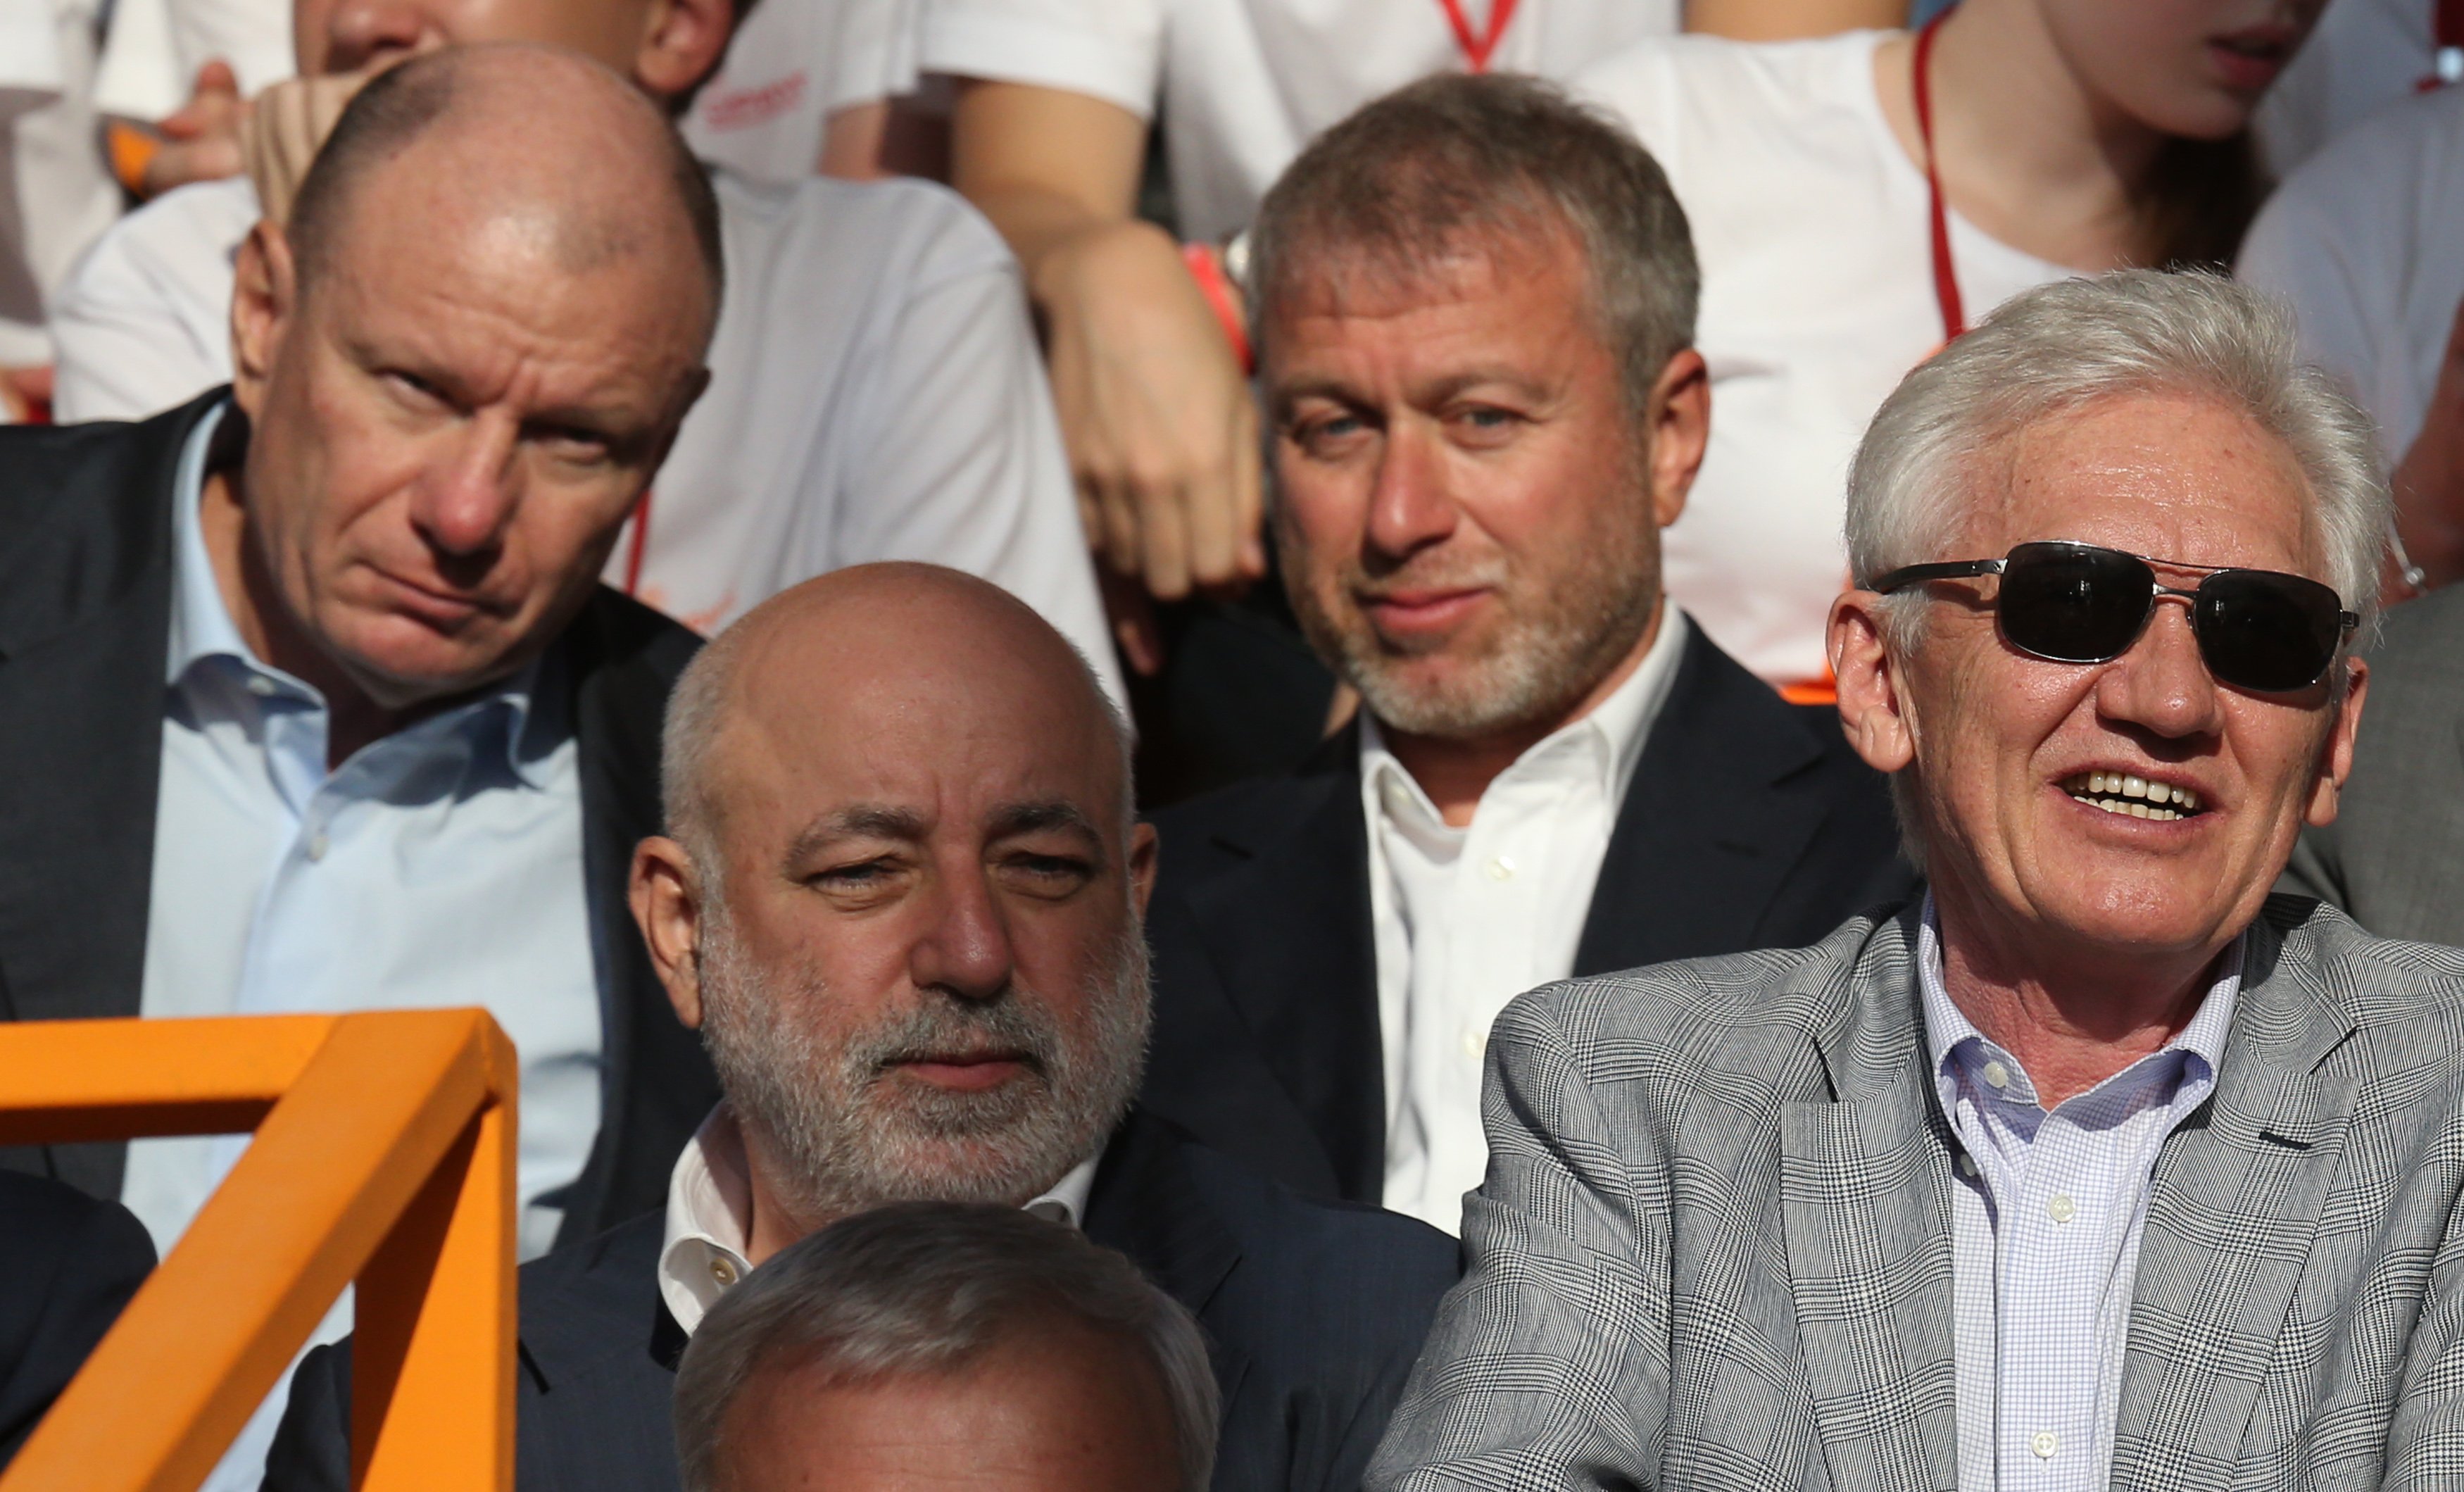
(1058, 372)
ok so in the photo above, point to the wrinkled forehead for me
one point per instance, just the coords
(2172, 477)
(923, 754)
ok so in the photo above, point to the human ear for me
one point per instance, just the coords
(1680, 430)
(666, 898)
(1873, 710)
(683, 42)
(265, 303)
(2336, 760)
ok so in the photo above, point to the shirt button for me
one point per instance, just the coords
(316, 846)
(1997, 1075)
(1501, 868)
(2060, 1209)
(260, 686)
(1475, 1041)
(2044, 1443)
(1967, 1164)
(722, 1271)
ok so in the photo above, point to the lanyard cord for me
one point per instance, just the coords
(637, 545)
(1946, 279)
(1476, 48)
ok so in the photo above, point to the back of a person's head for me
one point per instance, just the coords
(933, 1292)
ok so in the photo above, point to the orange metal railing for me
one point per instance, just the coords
(383, 1154)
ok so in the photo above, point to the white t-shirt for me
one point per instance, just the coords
(2368, 242)
(792, 65)
(156, 46)
(876, 394)
(1810, 222)
(1242, 85)
(56, 197)
(2363, 56)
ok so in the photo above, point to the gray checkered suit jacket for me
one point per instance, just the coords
(1713, 1248)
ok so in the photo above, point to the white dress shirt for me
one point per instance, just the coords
(56, 196)
(2045, 1231)
(876, 394)
(1467, 918)
(710, 1216)
(439, 866)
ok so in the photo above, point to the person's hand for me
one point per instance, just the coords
(199, 142)
(2429, 482)
(1163, 433)
(284, 128)
(25, 394)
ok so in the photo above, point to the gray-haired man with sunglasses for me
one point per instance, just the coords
(2097, 1167)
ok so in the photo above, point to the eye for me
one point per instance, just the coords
(854, 879)
(413, 389)
(572, 443)
(1484, 424)
(1326, 432)
(1051, 875)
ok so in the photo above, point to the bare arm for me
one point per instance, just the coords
(1784, 20)
(1161, 433)
(2429, 482)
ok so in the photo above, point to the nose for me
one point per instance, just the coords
(360, 31)
(469, 495)
(2162, 684)
(965, 950)
(1409, 507)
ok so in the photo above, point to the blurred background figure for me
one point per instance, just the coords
(806, 87)
(1859, 200)
(68, 1265)
(2365, 56)
(311, 694)
(2368, 242)
(940, 1343)
(1058, 105)
(55, 195)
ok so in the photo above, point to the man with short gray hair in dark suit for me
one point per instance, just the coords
(2099, 1167)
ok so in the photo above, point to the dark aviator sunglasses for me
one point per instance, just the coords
(2066, 602)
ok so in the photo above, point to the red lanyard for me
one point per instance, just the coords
(1477, 49)
(1946, 280)
(638, 545)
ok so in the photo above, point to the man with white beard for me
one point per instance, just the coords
(901, 898)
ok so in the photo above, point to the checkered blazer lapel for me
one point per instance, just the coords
(1865, 1202)
(2239, 1191)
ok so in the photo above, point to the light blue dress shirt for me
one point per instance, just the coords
(2045, 1231)
(440, 865)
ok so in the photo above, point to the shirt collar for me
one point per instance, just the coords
(1948, 1027)
(710, 1216)
(203, 631)
(1607, 743)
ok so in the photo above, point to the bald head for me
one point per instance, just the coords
(877, 648)
(528, 149)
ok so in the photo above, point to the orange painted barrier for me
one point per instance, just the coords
(383, 1154)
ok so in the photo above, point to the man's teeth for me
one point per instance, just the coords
(2120, 791)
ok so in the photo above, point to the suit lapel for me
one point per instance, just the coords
(1144, 1204)
(1865, 1206)
(1289, 929)
(2232, 1213)
(1702, 841)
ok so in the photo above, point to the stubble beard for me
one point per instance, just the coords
(1559, 637)
(847, 1137)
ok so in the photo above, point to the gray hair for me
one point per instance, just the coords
(927, 1287)
(1408, 177)
(2061, 346)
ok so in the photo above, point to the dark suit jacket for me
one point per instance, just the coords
(1750, 823)
(85, 616)
(1314, 1313)
(68, 1264)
